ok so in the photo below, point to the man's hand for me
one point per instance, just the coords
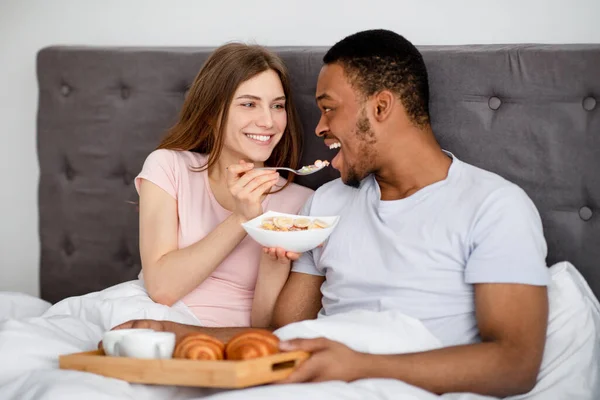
(330, 361)
(159, 326)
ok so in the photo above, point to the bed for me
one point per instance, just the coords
(530, 113)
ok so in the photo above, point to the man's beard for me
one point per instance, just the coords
(366, 152)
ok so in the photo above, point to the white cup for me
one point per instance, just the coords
(146, 345)
(111, 338)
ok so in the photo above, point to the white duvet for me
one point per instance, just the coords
(29, 349)
(15, 305)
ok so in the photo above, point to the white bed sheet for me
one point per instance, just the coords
(29, 349)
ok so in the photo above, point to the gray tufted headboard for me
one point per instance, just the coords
(527, 112)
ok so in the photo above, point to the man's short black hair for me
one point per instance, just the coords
(377, 60)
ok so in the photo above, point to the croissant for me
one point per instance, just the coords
(251, 344)
(198, 346)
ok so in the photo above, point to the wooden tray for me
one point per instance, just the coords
(218, 374)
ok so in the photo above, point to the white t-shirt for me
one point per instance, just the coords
(421, 255)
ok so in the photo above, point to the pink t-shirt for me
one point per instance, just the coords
(225, 297)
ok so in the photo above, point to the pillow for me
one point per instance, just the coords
(571, 364)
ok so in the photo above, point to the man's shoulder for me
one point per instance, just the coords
(332, 189)
(483, 184)
(484, 178)
(494, 193)
(329, 198)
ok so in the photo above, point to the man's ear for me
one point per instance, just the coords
(383, 103)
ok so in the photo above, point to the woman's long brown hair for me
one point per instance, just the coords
(204, 114)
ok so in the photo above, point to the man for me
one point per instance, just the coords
(459, 248)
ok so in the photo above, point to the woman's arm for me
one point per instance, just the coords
(171, 273)
(273, 273)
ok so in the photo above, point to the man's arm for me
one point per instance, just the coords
(299, 300)
(512, 321)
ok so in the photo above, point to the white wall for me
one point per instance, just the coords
(27, 26)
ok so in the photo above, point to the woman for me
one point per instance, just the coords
(201, 184)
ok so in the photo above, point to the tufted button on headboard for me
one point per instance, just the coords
(526, 112)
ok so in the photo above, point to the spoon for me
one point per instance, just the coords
(306, 170)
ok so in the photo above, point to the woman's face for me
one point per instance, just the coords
(257, 118)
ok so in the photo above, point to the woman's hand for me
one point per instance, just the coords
(280, 255)
(247, 186)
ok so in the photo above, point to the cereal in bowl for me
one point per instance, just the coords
(289, 224)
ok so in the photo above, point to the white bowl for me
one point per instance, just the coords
(296, 241)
